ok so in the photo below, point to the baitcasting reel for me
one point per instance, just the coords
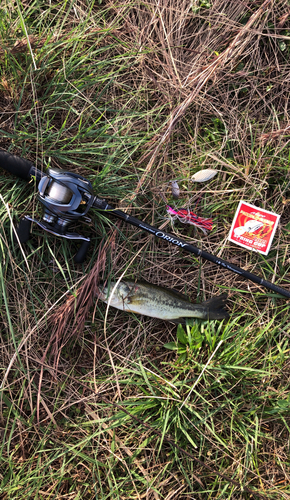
(65, 197)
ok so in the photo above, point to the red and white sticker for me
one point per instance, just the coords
(253, 228)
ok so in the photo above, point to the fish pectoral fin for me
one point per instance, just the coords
(132, 311)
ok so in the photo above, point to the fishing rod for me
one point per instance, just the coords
(66, 197)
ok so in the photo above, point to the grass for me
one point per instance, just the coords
(134, 95)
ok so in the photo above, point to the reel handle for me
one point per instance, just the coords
(82, 252)
(19, 166)
(23, 231)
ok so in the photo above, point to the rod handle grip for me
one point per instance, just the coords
(18, 166)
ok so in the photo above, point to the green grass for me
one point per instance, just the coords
(96, 407)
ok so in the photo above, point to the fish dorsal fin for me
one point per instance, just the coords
(172, 291)
(180, 295)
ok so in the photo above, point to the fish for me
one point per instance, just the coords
(204, 175)
(161, 303)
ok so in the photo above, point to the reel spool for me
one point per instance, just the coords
(66, 197)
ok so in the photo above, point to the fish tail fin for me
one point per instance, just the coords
(214, 307)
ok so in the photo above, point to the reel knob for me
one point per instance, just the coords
(23, 231)
(82, 252)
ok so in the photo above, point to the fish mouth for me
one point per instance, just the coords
(103, 292)
(109, 292)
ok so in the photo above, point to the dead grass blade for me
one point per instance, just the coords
(229, 55)
(275, 134)
(70, 318)
(28, 335)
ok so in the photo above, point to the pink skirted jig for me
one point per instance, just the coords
(184, 215)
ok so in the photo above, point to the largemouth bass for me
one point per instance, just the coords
(157, 302)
